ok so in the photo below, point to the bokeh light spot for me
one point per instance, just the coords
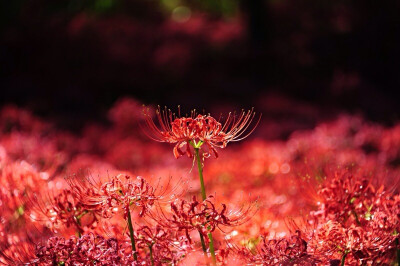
(285, 168)
(181, 14)
(273, 168)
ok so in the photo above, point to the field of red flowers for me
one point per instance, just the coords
(112, 195)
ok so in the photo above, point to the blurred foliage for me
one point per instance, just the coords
(10, 10)
(338, 52)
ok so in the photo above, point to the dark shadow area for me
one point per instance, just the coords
(71, 60)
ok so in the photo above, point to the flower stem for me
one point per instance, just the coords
(343, 258)
(204, 196)
(200, 167)
(132, 235)
(78, 222)
(212, 248)
(151, 254)
(398, 256)
(203, 244)
(397, 252)
(356, 217)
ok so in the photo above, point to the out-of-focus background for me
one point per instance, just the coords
(295, 61)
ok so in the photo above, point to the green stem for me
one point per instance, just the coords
(82, 214)
(200, 167)
(203, 244)
(204, 196)
(343, 258)
(356, 217)
(78, 222)
(151, 254)
(398, 256)
(212, 248)
(132, 235)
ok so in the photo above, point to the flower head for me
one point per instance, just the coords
(90, 249)
(166, 246)
(198, 129)
(291, 250)
(62, 209)
(202, 216)
(120, 192)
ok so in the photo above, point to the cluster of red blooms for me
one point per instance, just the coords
(111, 196)
(356, 221)
(89, 249)
(354, 224)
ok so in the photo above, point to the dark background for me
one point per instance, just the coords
(70, 60)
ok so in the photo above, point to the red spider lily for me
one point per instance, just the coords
(90, 249)
(18, 252)
(332, 241)
(348, 197)
(198, 129)
(291, 250)
(62, 209)
(17, 179)
(148, 237)
(348, 193)
(118, 193)
(204, 217)
(370, 236)
(164, 246)
(355, 245)
(356, 219)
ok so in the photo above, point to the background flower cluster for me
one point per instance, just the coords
(325, 196)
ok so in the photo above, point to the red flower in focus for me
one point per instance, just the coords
(62, 209)
(118, 193)
(165, 246)
(204, 217)
(198, 129)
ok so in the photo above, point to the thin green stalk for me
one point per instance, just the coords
(212, 250)
(343, 258)
(151, 254)
(204, 196)
(356, 217)
(398, 256)
(132, 235)
(82, 214)
(200, 167)
(398, 252)
(203, 244)
(78, 222)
